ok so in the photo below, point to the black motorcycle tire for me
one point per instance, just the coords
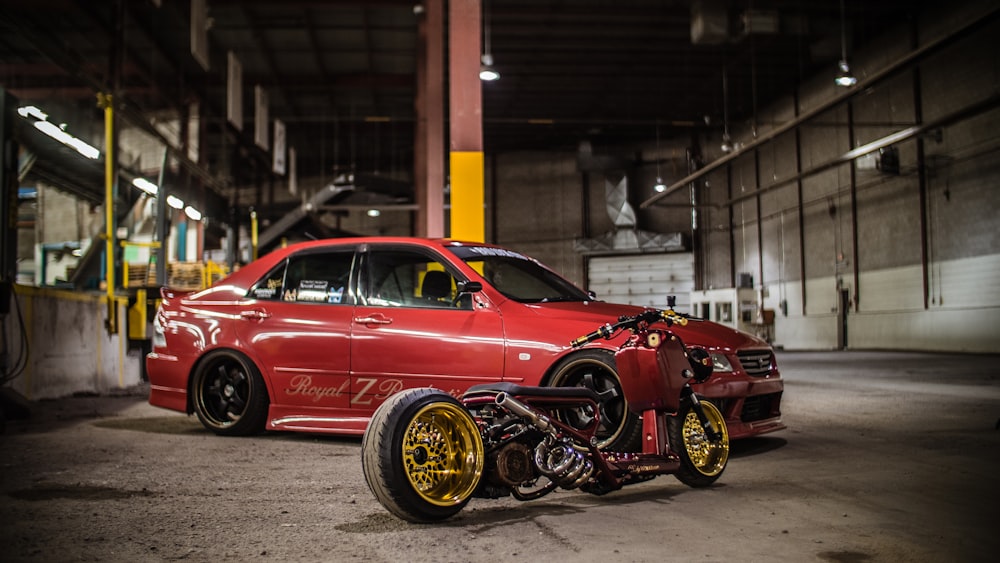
(422, 455)
(702, 459)
(596, 369)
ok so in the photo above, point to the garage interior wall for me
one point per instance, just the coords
(915, 253)
(852, 255)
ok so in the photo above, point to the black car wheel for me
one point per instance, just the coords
(620, 429)
(229, 395)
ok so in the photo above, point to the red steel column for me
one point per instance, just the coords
(429, 142)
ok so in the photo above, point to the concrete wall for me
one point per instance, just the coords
(63, 345)
(917, 252)
(539, 208)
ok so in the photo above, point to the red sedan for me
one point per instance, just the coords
(313, 337)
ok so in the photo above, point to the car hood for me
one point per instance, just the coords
(697, 332)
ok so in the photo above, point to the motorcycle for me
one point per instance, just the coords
(426, 454)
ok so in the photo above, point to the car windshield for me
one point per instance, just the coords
(517, 276)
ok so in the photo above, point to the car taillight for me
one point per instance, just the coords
(159, 339)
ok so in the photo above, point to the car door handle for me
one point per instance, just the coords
(373, 320)
(254, 314)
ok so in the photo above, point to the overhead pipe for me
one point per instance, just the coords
(862, 85)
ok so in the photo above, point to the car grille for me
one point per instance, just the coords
(756, 363)
(759, 407)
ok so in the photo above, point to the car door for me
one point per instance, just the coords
(298, 328)
(409, 330)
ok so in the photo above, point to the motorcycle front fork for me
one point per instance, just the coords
(711, 431)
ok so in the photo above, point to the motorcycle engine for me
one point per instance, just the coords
(514, 465)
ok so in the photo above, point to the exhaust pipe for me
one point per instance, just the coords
(538, 419)
(557, 459)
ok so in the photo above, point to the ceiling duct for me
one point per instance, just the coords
(709, 22)
(587, 161)
(626, 237)
(761, 22)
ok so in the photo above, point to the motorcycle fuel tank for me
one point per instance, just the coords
(653, 371)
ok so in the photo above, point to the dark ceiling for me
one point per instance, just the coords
(341, 74)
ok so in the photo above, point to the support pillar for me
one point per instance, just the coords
(429, 142)
(466, 158)
(8, 208)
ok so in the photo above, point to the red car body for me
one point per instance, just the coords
(272, 348)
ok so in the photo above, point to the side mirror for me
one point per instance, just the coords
(469, 287)
(465, 288)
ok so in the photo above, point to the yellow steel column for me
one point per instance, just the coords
(106, 101)
(467, 214)
(253, 235)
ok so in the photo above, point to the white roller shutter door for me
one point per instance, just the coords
(643, 279)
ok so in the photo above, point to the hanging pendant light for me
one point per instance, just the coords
(659, 186)
(844, 76)
(487, 72)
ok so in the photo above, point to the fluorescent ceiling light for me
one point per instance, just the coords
(32, 111)
(57, 132)
(193, 213)
(175, 202)
(145, 185)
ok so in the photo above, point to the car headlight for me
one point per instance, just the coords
(721, 362)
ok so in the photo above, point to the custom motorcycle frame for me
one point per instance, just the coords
(425, 454)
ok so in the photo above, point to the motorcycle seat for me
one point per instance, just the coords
(516, 390)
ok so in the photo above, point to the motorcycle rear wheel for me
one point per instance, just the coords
(422, 455)
(702, 459)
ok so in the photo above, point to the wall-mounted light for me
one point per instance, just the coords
(374, 212)
(175, 202)
(192, 213)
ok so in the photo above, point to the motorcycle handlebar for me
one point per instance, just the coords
(632, 322)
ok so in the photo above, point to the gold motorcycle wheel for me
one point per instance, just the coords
(442, 454)
(702, 459)
(422, 455)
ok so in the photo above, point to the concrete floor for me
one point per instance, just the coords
(887, 457)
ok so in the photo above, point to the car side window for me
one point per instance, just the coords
(269, 288)
(314, 277)
(405, 278)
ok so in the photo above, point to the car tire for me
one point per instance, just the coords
(621, 429)
(229, 394)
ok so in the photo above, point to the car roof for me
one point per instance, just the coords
(250, 273)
